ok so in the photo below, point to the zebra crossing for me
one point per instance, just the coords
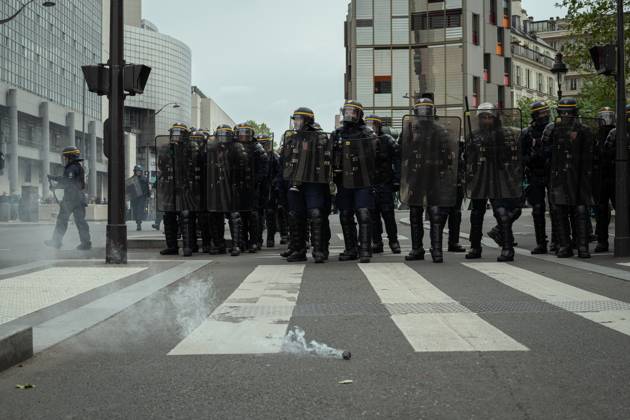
(255, 318)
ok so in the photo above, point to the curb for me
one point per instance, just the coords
(15, 347)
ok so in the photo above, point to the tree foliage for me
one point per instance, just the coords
(260, 128)
(593, 22)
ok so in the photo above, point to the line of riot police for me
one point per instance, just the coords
(204, 178)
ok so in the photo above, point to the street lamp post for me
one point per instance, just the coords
(116, 243)
(560, 69)
(622, 225)
(175, 105)
(14, 15)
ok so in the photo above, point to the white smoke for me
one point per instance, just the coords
(295, 343)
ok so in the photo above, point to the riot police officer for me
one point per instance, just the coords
(606, 152)
(536, 167)
(138, 193)
(355, 160)
(430, 158)
(268, 204)
(570, 144)
(254, 176)
(494, 172)
(386, 184)
(74, 201)
(307, 169)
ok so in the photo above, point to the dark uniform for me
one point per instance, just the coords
(494, 172)
(386, 184)
(536, 165)
(74, 201)
(570, 144)
(604, 175)
(355, 161)
(430, 159)
(267, 210)
(138, 193)
(254, 176)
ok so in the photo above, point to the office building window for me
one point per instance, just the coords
(541, 83)
(486, 67)
(382, 84)
(528, 78)
(550, 86)
(492, 18)
(574, 84)
(519, 76)
(475, 29)
(365, 23)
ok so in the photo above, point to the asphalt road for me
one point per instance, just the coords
(529, 340)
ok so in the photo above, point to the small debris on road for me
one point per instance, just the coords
(25, 386)
(346, 382)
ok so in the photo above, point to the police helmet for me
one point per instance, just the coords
(71, 153)
(244, 133)
(303, 117)
(352, 112)
(606, 117)
(375, 123)
(424, 107)
(568, 107)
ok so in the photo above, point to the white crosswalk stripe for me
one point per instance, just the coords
(433, 332)
(560, 295)
(229, 330)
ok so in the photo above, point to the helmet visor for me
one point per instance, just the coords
(351, 114)
(375, 125)
(299, 122)
(244, 134)
(607, 118)
(424, 110)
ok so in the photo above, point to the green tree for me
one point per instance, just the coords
(593, 22)
(261, 128)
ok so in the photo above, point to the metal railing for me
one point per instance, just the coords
(520, 51)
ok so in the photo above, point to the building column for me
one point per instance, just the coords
(45, 150)
(12, 100)
(70, 130)
(92, 159)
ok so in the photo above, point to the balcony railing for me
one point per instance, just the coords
(520, 51)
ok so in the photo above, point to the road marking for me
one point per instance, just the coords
(228, 332)
(434, 332)
(24, 267)
(69, 324)
(558, 294)
(28, 293)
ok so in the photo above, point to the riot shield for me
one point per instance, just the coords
(429, 150)
(165, 169)
(571, 180)
(310, 157)
(494, 164)
(287, 155)
(242, 177)
(218, 188)
(358, 161)
(133, 189)
(189, 159)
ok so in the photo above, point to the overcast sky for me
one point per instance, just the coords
(261, 59)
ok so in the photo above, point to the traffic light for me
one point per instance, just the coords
(97, 79)
(135, 77)
(604, 59)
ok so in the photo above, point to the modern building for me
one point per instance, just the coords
(401, 50)
(206, 113)
(532, 59)
(555, 32)
(43, 104)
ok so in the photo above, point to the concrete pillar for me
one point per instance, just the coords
(92, 159)
(45, 150)
(12, 100)
(70, 129)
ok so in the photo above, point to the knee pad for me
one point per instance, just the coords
(415, 215)
(346, 216)
(363, 215)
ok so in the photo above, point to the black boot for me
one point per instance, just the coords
(582, 218)
(290, 233)
(189, 234)
(437, 216)
(365, 235)
(253, 228)
(282, 224)
(476, 232)
(349, 229)
(538, 214)
(170, 234)
(389, 217)
(206, 232)
(326, 236)
(270, 220)
(454, 224)
(496, 235)
(563, 229)
(298, 238)
(377, 232)
(504, 219)
(315, 216)
(417, 234)
(216, 227)
(553, 245)
(236, 224)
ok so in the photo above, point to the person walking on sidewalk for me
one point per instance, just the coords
(74, 201)
(138, 193)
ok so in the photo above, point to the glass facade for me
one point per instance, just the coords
(43, 49)
(171, 75)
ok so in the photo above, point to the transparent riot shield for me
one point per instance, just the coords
(133, 189)
(165, 169)
(189, 158)
(288, 155)
(572, 147)
(242, 177)
(494, 164)
(429, 148)
(358, 161)
(218, 186)
(310, 157)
